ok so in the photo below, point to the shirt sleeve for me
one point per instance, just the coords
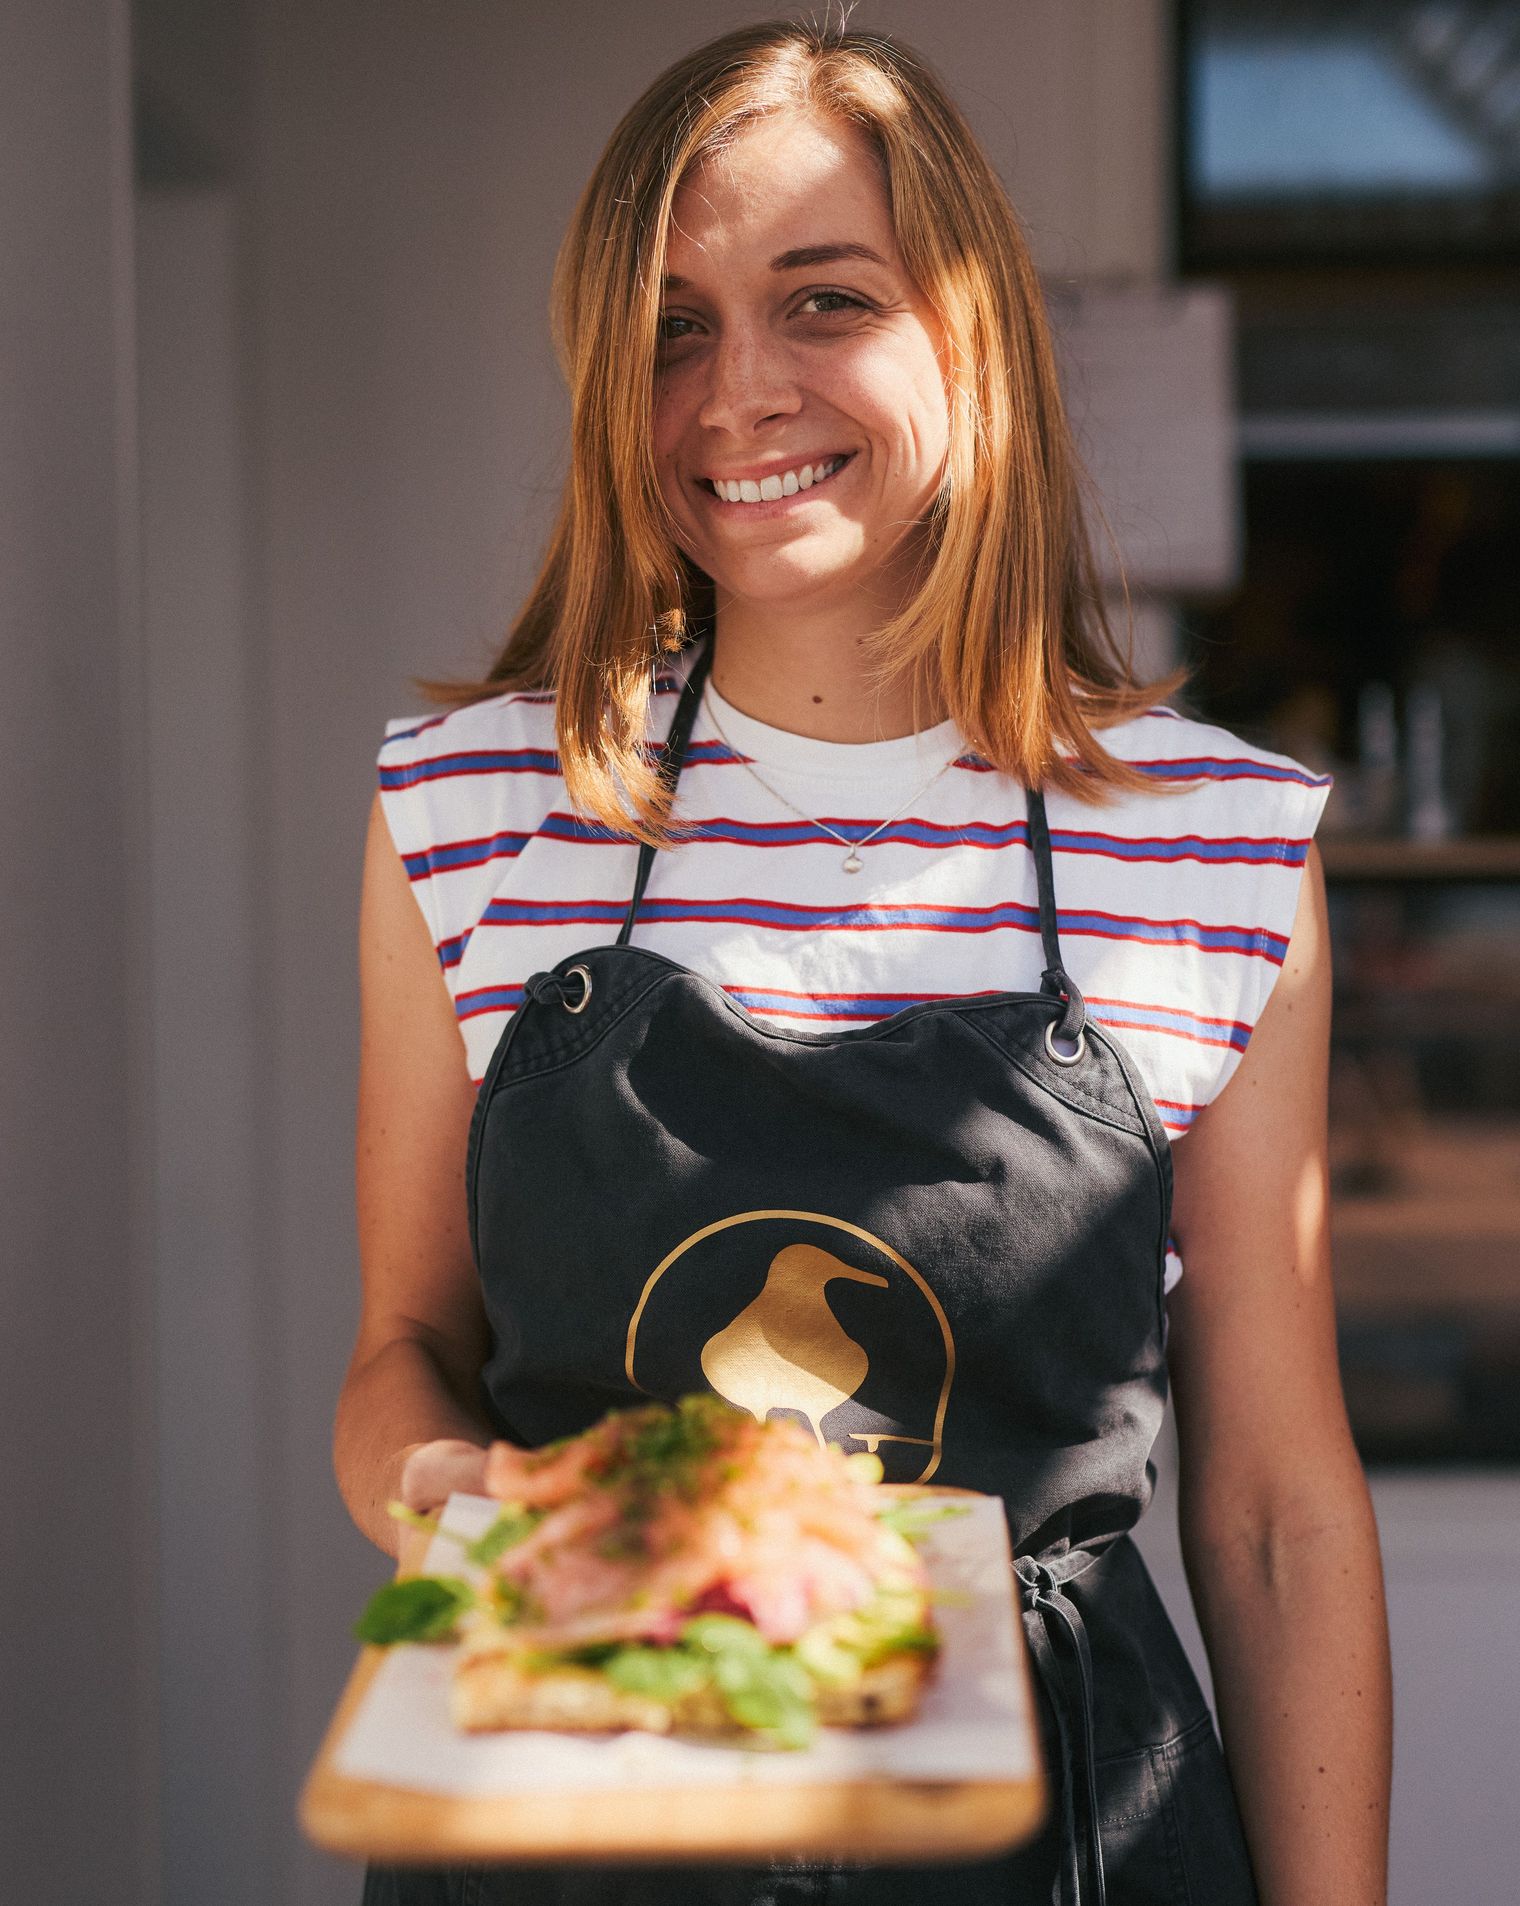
(406, 771)
(1293, 812)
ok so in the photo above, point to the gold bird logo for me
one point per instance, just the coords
(787, 1350)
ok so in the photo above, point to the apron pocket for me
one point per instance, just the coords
(1216, 1863)
(1142, 1860)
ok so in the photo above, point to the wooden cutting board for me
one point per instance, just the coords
(870, 1817)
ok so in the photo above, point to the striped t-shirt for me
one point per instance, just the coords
(1174, 908)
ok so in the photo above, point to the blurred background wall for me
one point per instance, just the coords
(282, 429)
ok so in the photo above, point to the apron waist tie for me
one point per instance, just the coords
(1080, 1879)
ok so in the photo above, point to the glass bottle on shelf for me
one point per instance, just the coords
(1377, 771)
(1429, 813)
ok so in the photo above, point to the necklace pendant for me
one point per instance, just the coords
(852, 862)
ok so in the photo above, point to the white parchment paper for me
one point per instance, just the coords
(973, 1722)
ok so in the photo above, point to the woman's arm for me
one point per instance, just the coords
(1277, 1528)
(407, 1421)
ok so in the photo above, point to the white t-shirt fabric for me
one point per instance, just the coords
(1174, 908)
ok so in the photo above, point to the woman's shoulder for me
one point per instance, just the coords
(512, 719)
(1190, 890)
(1175, 745)
(1207, 782)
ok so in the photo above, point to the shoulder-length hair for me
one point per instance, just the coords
(1006, 614)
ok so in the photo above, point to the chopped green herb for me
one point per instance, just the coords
(511, 1525)
(911, 1519)
(421, 1608)
(591, 1655)
(624, 1543)
(914, 1641)
(398, 1512)
(510, 1602)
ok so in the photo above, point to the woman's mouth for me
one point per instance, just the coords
(783, 489)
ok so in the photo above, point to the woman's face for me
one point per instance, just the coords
(798, 360)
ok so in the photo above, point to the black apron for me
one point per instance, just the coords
(940, 1237)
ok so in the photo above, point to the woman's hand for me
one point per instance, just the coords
(432, 1472)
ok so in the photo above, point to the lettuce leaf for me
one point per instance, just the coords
(911, 1518)
(420, 1608)
(664, 1674)
(771, 1693)
(512, 1524)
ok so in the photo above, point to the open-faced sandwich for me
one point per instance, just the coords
(686, 1569)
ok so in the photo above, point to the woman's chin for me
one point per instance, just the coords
(791, 579)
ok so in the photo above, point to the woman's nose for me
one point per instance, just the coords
(749, 378)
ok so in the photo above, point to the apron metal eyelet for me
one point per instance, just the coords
(1063, 1058)
(580, 1004)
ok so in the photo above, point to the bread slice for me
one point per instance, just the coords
(493, 1688)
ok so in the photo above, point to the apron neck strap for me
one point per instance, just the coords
(672, 759)
(1054, 980)
(1039, 846)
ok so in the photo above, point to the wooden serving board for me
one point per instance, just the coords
(871, 1816)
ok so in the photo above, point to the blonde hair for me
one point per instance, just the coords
(1007, 615)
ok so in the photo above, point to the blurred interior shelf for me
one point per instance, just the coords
(1426, 1256)
(1301, 436)
(1350, 857)
(1446, 1235)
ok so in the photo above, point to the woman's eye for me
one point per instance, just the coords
(831, 304)
(841, 298)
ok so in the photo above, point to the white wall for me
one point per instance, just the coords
(223, 1811)
(78, 1811)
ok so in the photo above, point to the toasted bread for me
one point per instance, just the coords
(496, 1690)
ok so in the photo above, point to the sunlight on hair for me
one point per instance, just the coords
(1007, 616)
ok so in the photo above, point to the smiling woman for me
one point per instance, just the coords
(796, 237)
(909, 1144)
(765, 373)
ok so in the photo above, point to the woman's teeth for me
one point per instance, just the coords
(768, 489)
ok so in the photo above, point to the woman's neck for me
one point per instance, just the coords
(809, 675)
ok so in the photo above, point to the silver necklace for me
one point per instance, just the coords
(852, 861)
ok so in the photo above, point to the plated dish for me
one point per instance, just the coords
(683, 1570)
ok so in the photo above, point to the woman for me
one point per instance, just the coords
(953, 931)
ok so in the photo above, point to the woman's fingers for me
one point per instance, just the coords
(433, 1471)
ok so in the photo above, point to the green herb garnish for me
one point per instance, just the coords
(512, 1524)
(421, 1608)
(763, 1688)
(724, 1635)
(906, 1641)
(912, 1518)
(769, 1692)
(398, 1512)
(664, 1674)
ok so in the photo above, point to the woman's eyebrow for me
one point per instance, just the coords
(802, 257)
(806, 255)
